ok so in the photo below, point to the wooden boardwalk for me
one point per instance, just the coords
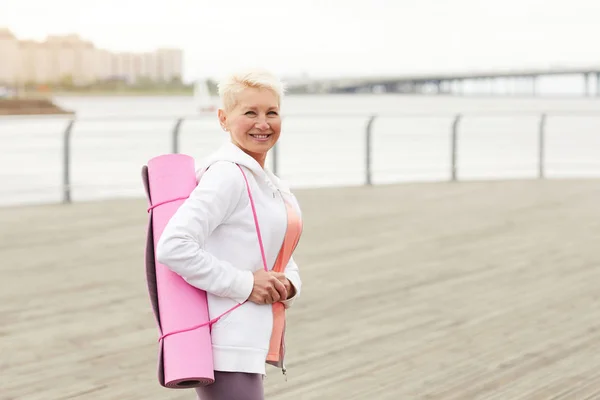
(422, 291)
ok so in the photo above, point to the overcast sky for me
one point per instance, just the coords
(328, 37)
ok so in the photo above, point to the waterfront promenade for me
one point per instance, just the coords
(445, 291)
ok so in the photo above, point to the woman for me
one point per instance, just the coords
(238, 212)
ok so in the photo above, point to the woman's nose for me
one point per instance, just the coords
(262, 124)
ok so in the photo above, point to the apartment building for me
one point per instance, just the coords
(70, 59)
(9, 54)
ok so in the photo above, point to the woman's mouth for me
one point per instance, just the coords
(261, 137)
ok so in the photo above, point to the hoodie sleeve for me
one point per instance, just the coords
(293, 274)
(181, 245)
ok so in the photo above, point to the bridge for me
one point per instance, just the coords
(450, 83)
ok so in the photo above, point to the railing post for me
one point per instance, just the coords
(369, 151)
(67, 162)
(541, 146)
(454, 147)
(175, 135)
(275, 158)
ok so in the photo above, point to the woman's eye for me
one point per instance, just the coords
(250, 113)
(272, 113)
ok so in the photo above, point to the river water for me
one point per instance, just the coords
(322, 144)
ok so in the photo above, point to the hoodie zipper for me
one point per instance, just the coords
(283, 347)
(278, 191)
(283, 351)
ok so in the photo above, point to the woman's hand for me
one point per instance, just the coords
(268, 288)
(291, 290)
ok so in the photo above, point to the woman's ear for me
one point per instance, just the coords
(222, 119)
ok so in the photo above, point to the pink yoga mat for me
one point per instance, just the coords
(185, 358)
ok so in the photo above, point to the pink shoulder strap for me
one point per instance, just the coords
(260, 242)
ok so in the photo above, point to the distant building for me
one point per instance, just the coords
(70, 59)
(10, 56)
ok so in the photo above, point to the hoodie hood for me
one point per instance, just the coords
(230, 152)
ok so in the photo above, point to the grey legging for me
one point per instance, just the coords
(233, 386)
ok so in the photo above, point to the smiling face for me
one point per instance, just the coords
(254, 122)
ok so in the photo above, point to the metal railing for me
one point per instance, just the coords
(453, 132)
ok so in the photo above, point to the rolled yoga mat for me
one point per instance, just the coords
(185, 357)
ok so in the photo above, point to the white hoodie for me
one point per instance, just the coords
(211, 242)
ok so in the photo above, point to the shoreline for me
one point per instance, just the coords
(31, 106)
(117, 93)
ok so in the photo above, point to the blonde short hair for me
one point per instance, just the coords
(235, 83)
